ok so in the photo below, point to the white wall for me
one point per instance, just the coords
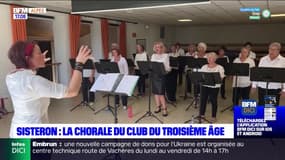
(218, 34)
(61, 45)
(151, 34)
(170, 35)
(6, 36)
(95, 37)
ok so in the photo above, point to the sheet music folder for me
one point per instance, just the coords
(115, 83)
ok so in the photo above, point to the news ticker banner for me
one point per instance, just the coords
(125, 131)
(266, 121)
(141, 149)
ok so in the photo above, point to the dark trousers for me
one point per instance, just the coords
(87, 95)
(141, 82)
(196, 90)
(171, 84)
(124, 100)
(189, 82)
(212, 93)
(180, 73)
(223, 87)
(271, 92)
(240, 93)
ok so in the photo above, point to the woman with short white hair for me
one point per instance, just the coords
(211, 92)
(202, 48)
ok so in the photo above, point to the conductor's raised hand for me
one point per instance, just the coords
(83, 54)
(46, 58)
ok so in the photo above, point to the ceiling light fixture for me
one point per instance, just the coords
(184, 20)
(278, 15)
(137, 8)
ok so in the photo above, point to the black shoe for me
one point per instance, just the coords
(165, 114)
(158, 109)
(172, 101)
(224, 97)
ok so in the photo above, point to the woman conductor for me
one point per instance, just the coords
(30, 93)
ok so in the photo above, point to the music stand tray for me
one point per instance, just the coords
(267, 75)
(117, 85)
(222, 61)
(88, 65)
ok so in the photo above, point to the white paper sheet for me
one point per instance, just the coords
(105, 82)
(127, 85)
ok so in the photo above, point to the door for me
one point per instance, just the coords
(47, 71)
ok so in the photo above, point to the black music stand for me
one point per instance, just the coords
(104, 60)
(173, 62)
(183, 61)
(88, 65)
(115, 156)
(103, 68)
(131, 65)
(150, 68)
(267, 74)
(204, 78)
(222, 61)
(236, 69)
(195, 64)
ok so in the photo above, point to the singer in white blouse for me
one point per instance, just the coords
(124, 69)
(273, 60)
(211, 92)
(158, 82)
(242, 90)
(141, 55)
